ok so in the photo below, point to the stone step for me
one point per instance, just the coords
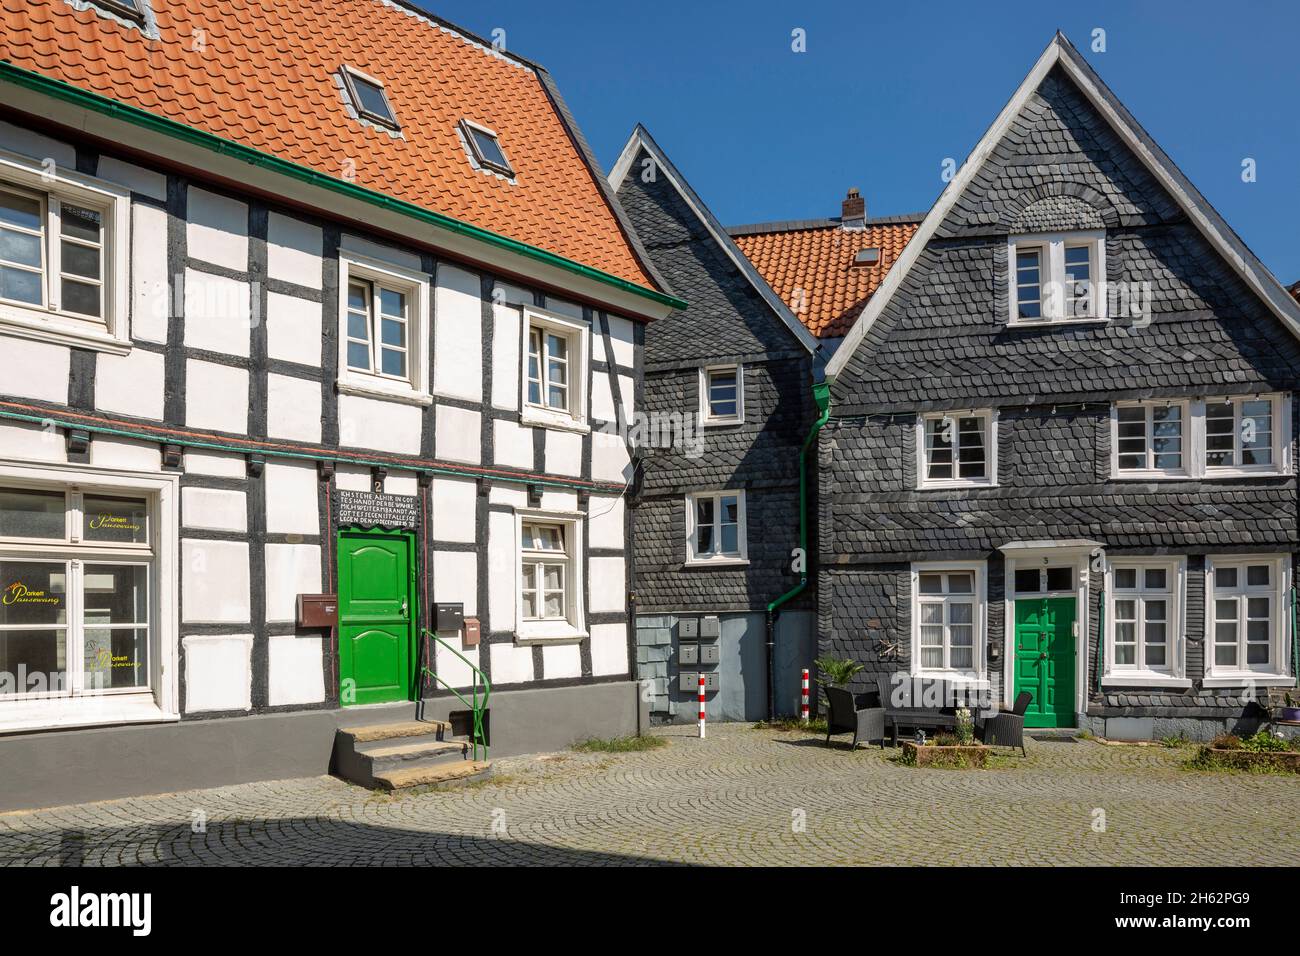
(459, 772)
(407, 728)
(426, 751)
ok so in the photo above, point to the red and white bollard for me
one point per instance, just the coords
(803, 707)
(701, 706)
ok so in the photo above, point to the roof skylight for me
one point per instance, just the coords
(485, 146)
(368, 97)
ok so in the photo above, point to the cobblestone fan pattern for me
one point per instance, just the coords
(735, 798)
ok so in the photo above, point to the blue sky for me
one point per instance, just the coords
(886, 91)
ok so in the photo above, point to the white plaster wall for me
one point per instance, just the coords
(457, 334)
(31, 442)
(218, 672)
(37, 145)
(501, 571)
(217, 230)
(454, 506)
(125, 454)
(291, 506)
(293, 329)
(400, 483)
(605, 518)
(352, 478)
(457, 434)
(608, 584)
(215, 509)
(609, 458)
(506, 294)
(561, 660)
(293, 250)
(373, 423)
(627, 389)
(150, 288)
(608, 650)
(214, 581)
(455, 579)
(512, 444)
(553, 499)
(564, 307)
(130, 384)
(602, 397)
(35, 370)
(291, 569)
(293, 408)
(133, 177)
(296, 675)
(506, 356)
(515, 496)
(563, 453)
(450, 667)
(216, 396)
(511, 664)
(623, 341)
(218, 313)
(218, 464)
(349, 242)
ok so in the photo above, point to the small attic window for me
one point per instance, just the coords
(131, 9)
(485, 146)
(867, 257)
(368, 97)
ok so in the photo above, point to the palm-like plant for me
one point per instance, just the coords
(836, 671)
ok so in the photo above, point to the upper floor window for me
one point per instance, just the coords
(1057, 278)
(368, 98)
(715, 528)
(1200, 438)
(63, 243)
(384, 328)
(722, 395)
(956, 449)
(1245, 623)
(1150, 437)
(485, 147)
(555, 370)
(1239, 433)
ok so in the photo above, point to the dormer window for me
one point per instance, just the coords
(1057, 278)
(367, 97)
(485, 147)
(867, 257)
(131, 9)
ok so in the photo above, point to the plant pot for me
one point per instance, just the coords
(932, 755)
(1289, 713)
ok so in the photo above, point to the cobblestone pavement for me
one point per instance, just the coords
(743, 796)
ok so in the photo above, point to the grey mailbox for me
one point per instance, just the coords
(688, 627)
(709, 653)
(688, 654)
(712, 681)
(710, 629)
(689, 682)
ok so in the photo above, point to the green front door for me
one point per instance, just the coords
(376, 615)
(1045, 659)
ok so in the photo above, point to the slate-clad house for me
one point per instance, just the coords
(280, 316)
(1061, 456)
(717, 515)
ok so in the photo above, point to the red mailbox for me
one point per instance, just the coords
(318, 610)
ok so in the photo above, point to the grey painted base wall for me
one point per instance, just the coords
(1160, 728)
(105, 763)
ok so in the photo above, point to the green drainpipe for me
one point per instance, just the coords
(822, 396)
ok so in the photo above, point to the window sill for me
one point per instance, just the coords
(1248, 680)
(58, 713)
(554, 420)
(716, 563)
(955, 485)
(1150, 476)
(59, 329)
(1212, 474)
(720, 422)
(969, 678)
(407, 396)
(544, 632)
(1145, 679)
(1055, 323)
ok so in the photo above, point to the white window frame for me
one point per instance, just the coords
(467, 129)
(717, 558)
(990, 479)
(1149, 470)
(1051, 276)
(54, 185)
(578, 334)
(1139, 674)
(1275, 674)
(707, 418)
(1195, 465)
(350, 75)
(573, 628)
(159, 701)
(415, 286)
(978, 673)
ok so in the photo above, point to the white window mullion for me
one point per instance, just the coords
(76, 631)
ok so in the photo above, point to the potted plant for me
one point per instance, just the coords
(1291, 709)
(836, 671)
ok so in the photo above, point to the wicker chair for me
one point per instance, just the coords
(846, 716)
(1007, 729)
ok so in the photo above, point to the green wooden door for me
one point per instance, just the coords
(1044, 663)
(376, 615)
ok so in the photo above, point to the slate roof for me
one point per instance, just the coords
(810, 264)
(265, 76)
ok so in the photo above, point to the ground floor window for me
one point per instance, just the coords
(1245, 623)
(550, 577)
(947, 610)
(1146, 608)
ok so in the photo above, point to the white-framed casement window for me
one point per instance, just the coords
(556, 354)
(549, 582)
(722, 395)
(64, 244)
(948, 602)
(715, 528)
(1057, 277)
(383, 330)
(1234, 436)
(1144, 629)
(1247, 622)
(956, 449)
(87, 598)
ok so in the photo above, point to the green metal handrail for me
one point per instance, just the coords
(1101, 635)
(476, 707)
(1295, 639)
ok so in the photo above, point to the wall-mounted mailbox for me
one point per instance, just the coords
(471, 635)
(688, 627)
(688, 682)
(710, 653)
(318, 610)
(688, 653)
(449, 617)
(712, 681)
(710, 629)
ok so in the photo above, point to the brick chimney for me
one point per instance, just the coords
(853, 211)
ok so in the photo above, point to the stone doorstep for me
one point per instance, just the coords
(445, 773)
(408, 728)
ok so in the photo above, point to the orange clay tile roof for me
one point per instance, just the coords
(266, 79)
(810, 265)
